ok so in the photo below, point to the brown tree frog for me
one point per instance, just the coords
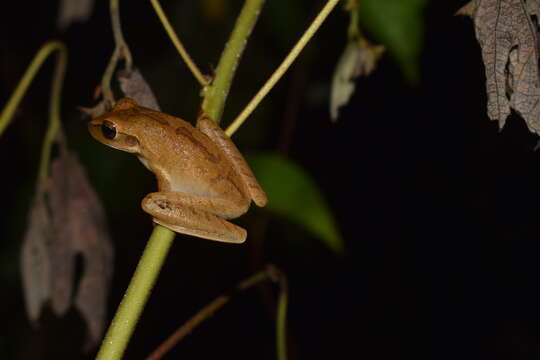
(202, 177)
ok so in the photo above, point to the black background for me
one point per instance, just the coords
(438, 207)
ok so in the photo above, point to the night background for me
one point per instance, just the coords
(438, 209)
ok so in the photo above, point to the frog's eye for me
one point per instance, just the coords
(108, 129)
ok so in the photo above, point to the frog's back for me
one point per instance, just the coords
(183, 139)
(197, 165)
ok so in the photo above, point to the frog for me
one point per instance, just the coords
(202, 178)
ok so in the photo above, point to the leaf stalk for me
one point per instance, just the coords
(203, 81)
(54, 103)
(283, 67)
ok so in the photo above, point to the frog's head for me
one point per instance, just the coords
(120, 128)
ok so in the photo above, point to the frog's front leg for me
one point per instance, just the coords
(196, 215)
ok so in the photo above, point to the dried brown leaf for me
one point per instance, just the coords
(80, 226)
(74, 10)
(533, 7)
(359, 59)
(93, 112)
(509, 41)
(35, 261)
(62, 253)
(134, 86)
(467, 9)
(67, 220)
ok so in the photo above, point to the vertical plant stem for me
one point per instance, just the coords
(281, 321)
(140, 287)
(283, 67)
(121, 51)
(118, 35)
(353, 32)
(54, 115)
(216, 93)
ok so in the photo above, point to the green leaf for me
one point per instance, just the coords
(292, 193)
(397, 24)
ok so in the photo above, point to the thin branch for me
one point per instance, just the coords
(283, 67)
(353, 32)
(178, 44)
(118, 35)
(121, 51)
(107, 76)
(26, 80)
(54, 115)
(216, 93)
(281, 318)
(270, 273)
(54, 104)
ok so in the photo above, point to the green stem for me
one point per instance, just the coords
(54, 103)
(283, 67)
(107, 76)
(178, 44)
(129, 310)
(353, 31)
(216, 93)
(26, 80)
(54, 116)
(281, 320)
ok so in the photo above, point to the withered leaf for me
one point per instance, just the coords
(35, 261)
(95, 111)
(73, 10)
(533, 7)
(509, 41)
(467, 9)
(79, 220)
(66, 220)
(134, 86)
(359, 59)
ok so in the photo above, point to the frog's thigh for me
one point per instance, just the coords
(214, 132)
(193, 215)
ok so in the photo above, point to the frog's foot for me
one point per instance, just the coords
(183, 214)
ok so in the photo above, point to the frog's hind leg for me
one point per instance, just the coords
(193, 215)
(214, 132)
